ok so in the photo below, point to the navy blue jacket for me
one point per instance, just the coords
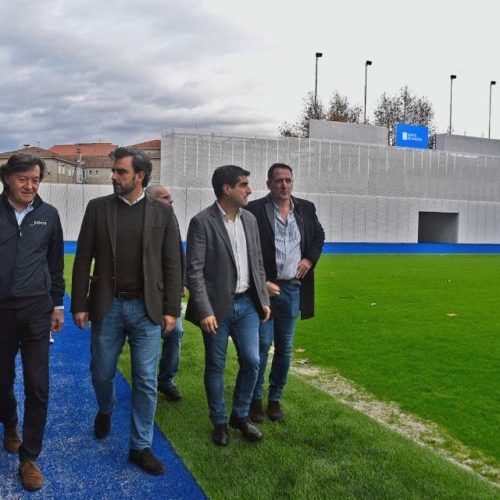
(31, 255)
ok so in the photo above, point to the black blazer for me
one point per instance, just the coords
(311, 243)
(161, 260)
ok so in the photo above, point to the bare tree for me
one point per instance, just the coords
(404, 107)
(339, 110)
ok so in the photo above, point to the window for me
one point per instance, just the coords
(90, 173)
(97, 172)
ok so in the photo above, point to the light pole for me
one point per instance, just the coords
(318, 55)
(493, 82)
(367, 63)
(452, 77)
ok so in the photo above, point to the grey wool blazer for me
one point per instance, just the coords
(211, 267)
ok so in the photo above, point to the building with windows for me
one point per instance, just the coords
(60, 169)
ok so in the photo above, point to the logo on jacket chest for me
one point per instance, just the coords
(38, 223)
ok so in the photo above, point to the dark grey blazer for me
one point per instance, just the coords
(161, 260)
(211, 268)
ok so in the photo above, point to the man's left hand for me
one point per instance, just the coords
(57, 320)
(168, 323)
(267, 314)
(303, 268)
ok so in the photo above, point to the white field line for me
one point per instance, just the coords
(420, 431)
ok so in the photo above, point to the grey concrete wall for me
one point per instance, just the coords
(468, 145)
(347, 132)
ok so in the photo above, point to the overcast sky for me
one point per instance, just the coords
(124, 71)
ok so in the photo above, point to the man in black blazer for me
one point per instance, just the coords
(228, 294)
(133, 292)
(292, 239)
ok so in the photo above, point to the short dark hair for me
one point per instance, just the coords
(274, 166)
(140, 161)
(21, 162)
(227, 174)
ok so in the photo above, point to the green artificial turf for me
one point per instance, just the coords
(388, 323)
(323, 449)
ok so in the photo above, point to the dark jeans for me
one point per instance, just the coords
(25, 325)
(170, 356)
(279, 329)
(242, 324)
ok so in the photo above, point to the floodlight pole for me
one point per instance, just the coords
(452, 77)
(318, 55)
(493, 82)
(367, 63)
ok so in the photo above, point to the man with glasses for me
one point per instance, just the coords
(171, 345)
(292, 238)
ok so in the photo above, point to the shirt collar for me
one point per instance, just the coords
(141, 196)
(276, 208)
(29, 208)
(224, 215)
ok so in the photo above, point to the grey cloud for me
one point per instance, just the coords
(77, 71)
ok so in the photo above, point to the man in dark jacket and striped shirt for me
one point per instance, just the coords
(31, 298)
(291, 238)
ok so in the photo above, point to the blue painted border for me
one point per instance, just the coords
(407, 248)
(410, 248)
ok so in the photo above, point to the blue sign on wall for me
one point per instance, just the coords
(412, 136)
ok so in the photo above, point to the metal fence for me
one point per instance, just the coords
(363, 193)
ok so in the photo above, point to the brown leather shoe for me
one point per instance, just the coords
(220, 435)
(256, 412)
(249, 431)
(274, 411)
(147, 461)
(11, 439)
(102, 425)
(31, 477)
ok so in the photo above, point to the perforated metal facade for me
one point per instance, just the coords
(363, 193)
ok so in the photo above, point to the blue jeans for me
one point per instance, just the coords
(242, 324)
(284, 311)
(170, 354)
(127, 317)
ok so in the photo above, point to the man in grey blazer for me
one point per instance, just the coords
(228, 295)
(133, 291)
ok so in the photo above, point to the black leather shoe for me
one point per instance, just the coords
(249, 431)
(102, 425)
(146, 460)
(256, 412)
(220, 435)
(274, 411)
(170, 393)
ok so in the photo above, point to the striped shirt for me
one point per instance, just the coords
(287, 242)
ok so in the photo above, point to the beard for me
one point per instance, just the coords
(123, 189)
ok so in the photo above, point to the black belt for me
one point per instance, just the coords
(240, 295)
(293, 281)
(129, 294)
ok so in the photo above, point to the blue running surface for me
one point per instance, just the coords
(74, 463)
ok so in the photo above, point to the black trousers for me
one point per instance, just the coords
(25, 325)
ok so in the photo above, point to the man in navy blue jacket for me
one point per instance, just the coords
(31, 298)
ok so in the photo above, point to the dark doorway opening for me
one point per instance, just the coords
(437, 227)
